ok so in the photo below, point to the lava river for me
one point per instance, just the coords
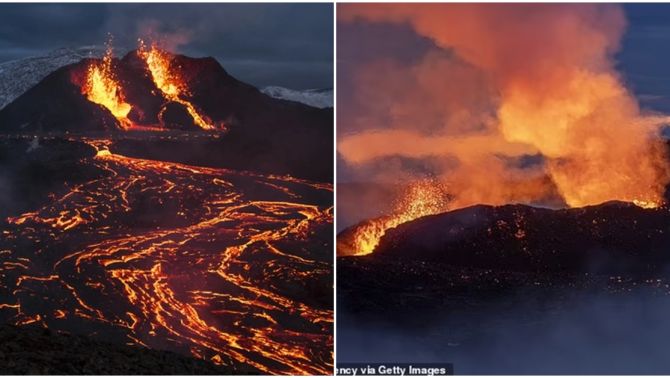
(228, 266)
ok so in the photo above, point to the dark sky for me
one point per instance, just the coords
(644, 59)
(289, 45)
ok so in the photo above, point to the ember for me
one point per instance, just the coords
(420, 199)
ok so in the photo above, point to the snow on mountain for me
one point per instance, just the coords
(318, 98)
(17, 76)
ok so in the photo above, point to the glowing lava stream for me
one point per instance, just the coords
(211, 262)
(159, 64)
(421, 199)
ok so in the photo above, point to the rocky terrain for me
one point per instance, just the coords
(34, 350)
(513, 290)
(17, 76)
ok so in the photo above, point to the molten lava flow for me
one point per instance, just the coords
(169, 81)
(420, 199)
(210, 262)
(102, 87)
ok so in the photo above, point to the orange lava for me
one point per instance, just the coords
(102, 87)
(537, 83)
(422, 198)
(167, 79)
(198, 260)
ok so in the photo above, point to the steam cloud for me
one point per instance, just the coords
(511, 81)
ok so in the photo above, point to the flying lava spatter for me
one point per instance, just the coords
(101, 86)
(168, 80)
(425, 197)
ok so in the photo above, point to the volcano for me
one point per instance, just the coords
(220, 96)
(157, 201)
(612, 238)
(462, 282)
(485, 287)
(261, 132)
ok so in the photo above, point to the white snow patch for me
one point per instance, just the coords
(318, 98)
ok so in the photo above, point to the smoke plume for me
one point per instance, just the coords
(509, 82)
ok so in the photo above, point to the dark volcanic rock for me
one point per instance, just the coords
(35, 350)
(56, 105)
(513, 290)
(611, 238)
(263, 133)
(493, 321)
(140, 91)
(33, 169)
(383, 288)
(175, 116)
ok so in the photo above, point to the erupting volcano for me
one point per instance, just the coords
(101, 86)
(155, 217)
(496, 170)
(560, 130)
(420, 199)
(170, 83)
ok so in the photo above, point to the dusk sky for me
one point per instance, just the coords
(289, 45)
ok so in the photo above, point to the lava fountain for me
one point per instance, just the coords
(168, 80)
(422, 198)
(102, 87)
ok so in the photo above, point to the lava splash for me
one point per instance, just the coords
(102, 87)
(233, 267)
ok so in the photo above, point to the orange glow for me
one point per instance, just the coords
(531, 80)
(194, 284)
(102, 87)
(168, 80)
(422, 198)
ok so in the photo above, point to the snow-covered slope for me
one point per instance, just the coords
(319, 98)
(17, 76)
